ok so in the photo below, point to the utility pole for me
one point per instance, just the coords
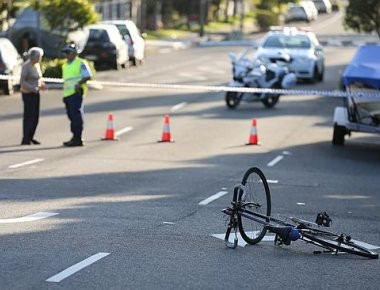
(242, 16)
(38, 26)
(202, 12)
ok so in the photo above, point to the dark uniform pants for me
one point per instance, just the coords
(74, 112)
(31, 115)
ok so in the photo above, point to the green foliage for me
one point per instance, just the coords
(266, 18)
(363, 16)
(67, 15)
(53, 68)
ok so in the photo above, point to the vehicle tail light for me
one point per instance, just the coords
(2, 66)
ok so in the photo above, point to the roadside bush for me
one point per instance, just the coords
(266, 18)
(53, 68)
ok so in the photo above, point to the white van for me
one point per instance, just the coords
(132, 36)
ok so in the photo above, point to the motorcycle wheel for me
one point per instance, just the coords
(270, 100)
(232, 100)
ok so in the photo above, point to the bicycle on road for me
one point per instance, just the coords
(250, 213)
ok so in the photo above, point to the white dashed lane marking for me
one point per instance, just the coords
(30, 162)
(178, 107)
(213, 197)
(124, 130)
(77, 267)
(28, 218)
(275, 161)
(241, 242)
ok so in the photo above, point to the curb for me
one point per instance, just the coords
(246, 42)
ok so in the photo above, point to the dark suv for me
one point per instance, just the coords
(105, 46)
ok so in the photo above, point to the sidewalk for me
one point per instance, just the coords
(223, 37)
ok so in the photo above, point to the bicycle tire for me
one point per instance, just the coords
(257, 192)
(330, 240)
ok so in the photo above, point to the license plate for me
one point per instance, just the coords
(91, 57)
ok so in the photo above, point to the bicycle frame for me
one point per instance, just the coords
(238, 208)
(285, 232)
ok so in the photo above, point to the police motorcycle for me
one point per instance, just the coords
(258, 73)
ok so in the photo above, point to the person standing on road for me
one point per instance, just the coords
(75, 73)
(30, 85)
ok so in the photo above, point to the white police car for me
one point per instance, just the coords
(307, 57)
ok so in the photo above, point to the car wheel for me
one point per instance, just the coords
(9, 86)
(134, 61)
(338, 135)
(232, 99)
(321, 74)
(116, 65)
(270, 100)
(315, 76)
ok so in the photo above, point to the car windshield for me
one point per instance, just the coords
(98, 35)
(287, 41)
(296, 10)
(123, 29)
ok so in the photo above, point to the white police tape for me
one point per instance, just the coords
(325, 93)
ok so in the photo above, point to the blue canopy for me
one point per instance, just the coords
(364, 67)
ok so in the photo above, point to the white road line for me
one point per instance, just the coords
(28, 218)
(241, 242)
(26, 163)
(178, 107)
(213, 197)
(122, 131)
(272, 181)
(77, 267)
(274, 161)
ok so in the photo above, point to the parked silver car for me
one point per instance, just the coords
(297, 12)
(307, 57)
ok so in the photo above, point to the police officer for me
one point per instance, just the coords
(75, 73)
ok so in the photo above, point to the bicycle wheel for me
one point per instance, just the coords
(255, 198)
(336, 242)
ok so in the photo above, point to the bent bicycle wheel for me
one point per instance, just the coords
(334, 242)
(255, 198)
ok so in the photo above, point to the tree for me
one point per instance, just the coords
(66, 16)
(363, 16)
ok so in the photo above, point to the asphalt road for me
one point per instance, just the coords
(132, 206)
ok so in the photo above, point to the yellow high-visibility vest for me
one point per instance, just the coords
(71, 76)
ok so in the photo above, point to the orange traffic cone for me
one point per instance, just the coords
(253, 137)
(166, 137)
(110, 132)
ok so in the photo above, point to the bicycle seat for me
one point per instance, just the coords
(286, 234)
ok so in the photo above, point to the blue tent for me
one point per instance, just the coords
(364, 67)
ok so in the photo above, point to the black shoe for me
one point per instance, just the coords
(35, 142)
(68, 142)
(23, 142)
(74, 143)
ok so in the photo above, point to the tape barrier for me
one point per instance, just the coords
(324, 93)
